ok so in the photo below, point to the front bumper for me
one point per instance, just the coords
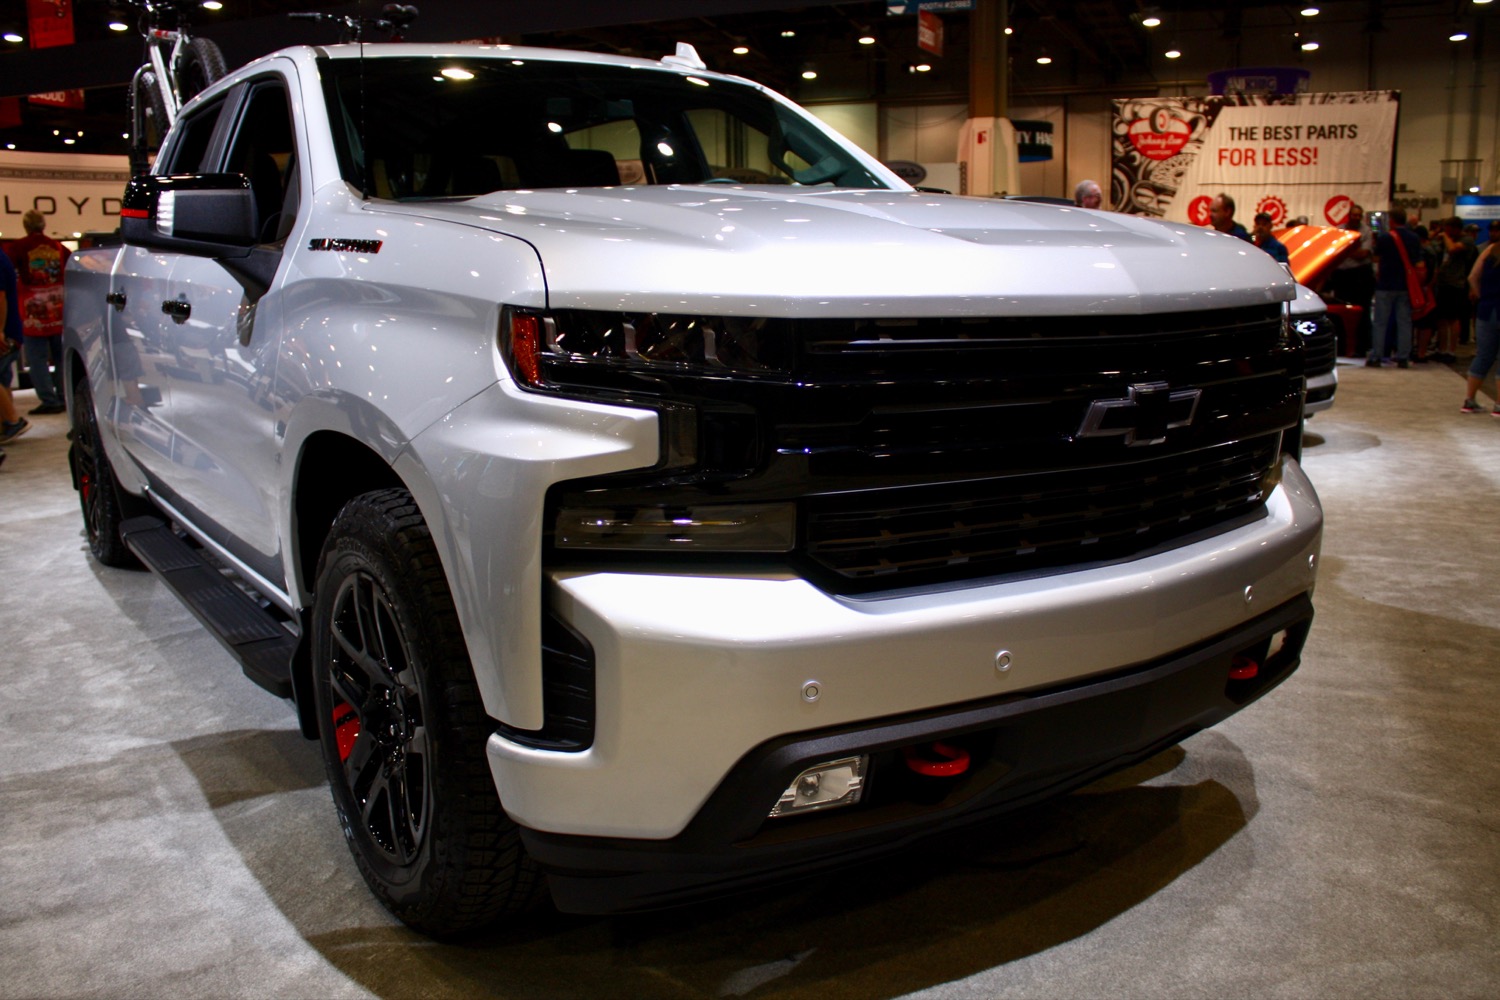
(696, 673)
(1320, 390)
(1023, 748)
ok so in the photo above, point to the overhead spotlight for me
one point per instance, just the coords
(1009, 30)
(1458, 35)
(212, 5)
(1310, 12)
(1173, 53)
(12, 37)
(789, 33)
(1150, 17)
(867, 39)
(741, 50)
(919, 67)
(1481, 1)
(1310, 45)
(69, 142)
(118, 26)
(809, 72)
(1043, 59)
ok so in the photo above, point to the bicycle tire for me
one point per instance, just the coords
(149, 111)
(200, 65)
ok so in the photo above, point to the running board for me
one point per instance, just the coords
(252, 635)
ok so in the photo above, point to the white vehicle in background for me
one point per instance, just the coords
(1320, 342)
(642, 492)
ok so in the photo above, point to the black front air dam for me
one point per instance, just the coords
(1026, 747)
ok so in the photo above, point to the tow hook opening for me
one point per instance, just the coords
(936, 759)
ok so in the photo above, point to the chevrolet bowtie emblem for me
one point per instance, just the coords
(1145, 416)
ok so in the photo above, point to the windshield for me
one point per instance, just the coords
(459, 127)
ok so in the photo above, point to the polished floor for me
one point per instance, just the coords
(164, 831)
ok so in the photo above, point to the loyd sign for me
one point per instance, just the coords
(77, 193)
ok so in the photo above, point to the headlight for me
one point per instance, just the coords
(544, 347)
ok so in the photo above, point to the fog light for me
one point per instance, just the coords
(767, 527)
(824, 786)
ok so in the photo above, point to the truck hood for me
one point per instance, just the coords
(830, 252)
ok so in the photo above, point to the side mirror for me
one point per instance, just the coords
(206, 214)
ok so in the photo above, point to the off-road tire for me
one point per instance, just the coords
(98, 491)
(402, 728)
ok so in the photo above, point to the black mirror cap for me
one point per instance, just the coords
(190, 213)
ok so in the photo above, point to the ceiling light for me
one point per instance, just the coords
(789, 33)
(11, 36)
(1009, 30)
(457, 73)
(867, 39)
(923, 67)
(1173, 54)
(1458, 35)
(10, 145)
(1474, 188)
(212, 5)
(1310, 12)
(1044, 60)
(1310, 45)
(741, 50)
(118, 26)
(69, 142)
(809, 74)
(1150, 21)
(1481, 1)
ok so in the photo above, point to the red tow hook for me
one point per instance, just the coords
(1242, 668)
(937, 760)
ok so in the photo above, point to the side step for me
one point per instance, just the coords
(252, 635)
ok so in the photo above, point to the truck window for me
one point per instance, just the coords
(264, 149)
(192, 140)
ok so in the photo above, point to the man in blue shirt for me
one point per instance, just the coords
(1390, 288)
(1221, 217)
(1261, 237)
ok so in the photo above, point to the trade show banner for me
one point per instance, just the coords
(1291, 155)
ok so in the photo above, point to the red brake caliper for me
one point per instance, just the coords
(345, 728)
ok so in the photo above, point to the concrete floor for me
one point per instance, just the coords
(166, 832)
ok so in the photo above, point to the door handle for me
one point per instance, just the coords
(178, 309)
(116, 299)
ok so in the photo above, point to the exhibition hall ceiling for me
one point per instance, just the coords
(1086, 45)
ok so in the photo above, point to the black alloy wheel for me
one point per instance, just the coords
(377, 720)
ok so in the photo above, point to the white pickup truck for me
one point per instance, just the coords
(643, 493)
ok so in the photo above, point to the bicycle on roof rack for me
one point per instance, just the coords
(176, 68)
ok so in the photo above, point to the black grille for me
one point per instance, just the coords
(930, 450)
(1046, 520)
(1320, 345)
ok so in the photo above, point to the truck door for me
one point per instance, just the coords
(143, 337)
(223, 408)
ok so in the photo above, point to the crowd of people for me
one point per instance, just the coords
(31, 276)
(1423, 292)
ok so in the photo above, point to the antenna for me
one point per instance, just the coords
(685, 56)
